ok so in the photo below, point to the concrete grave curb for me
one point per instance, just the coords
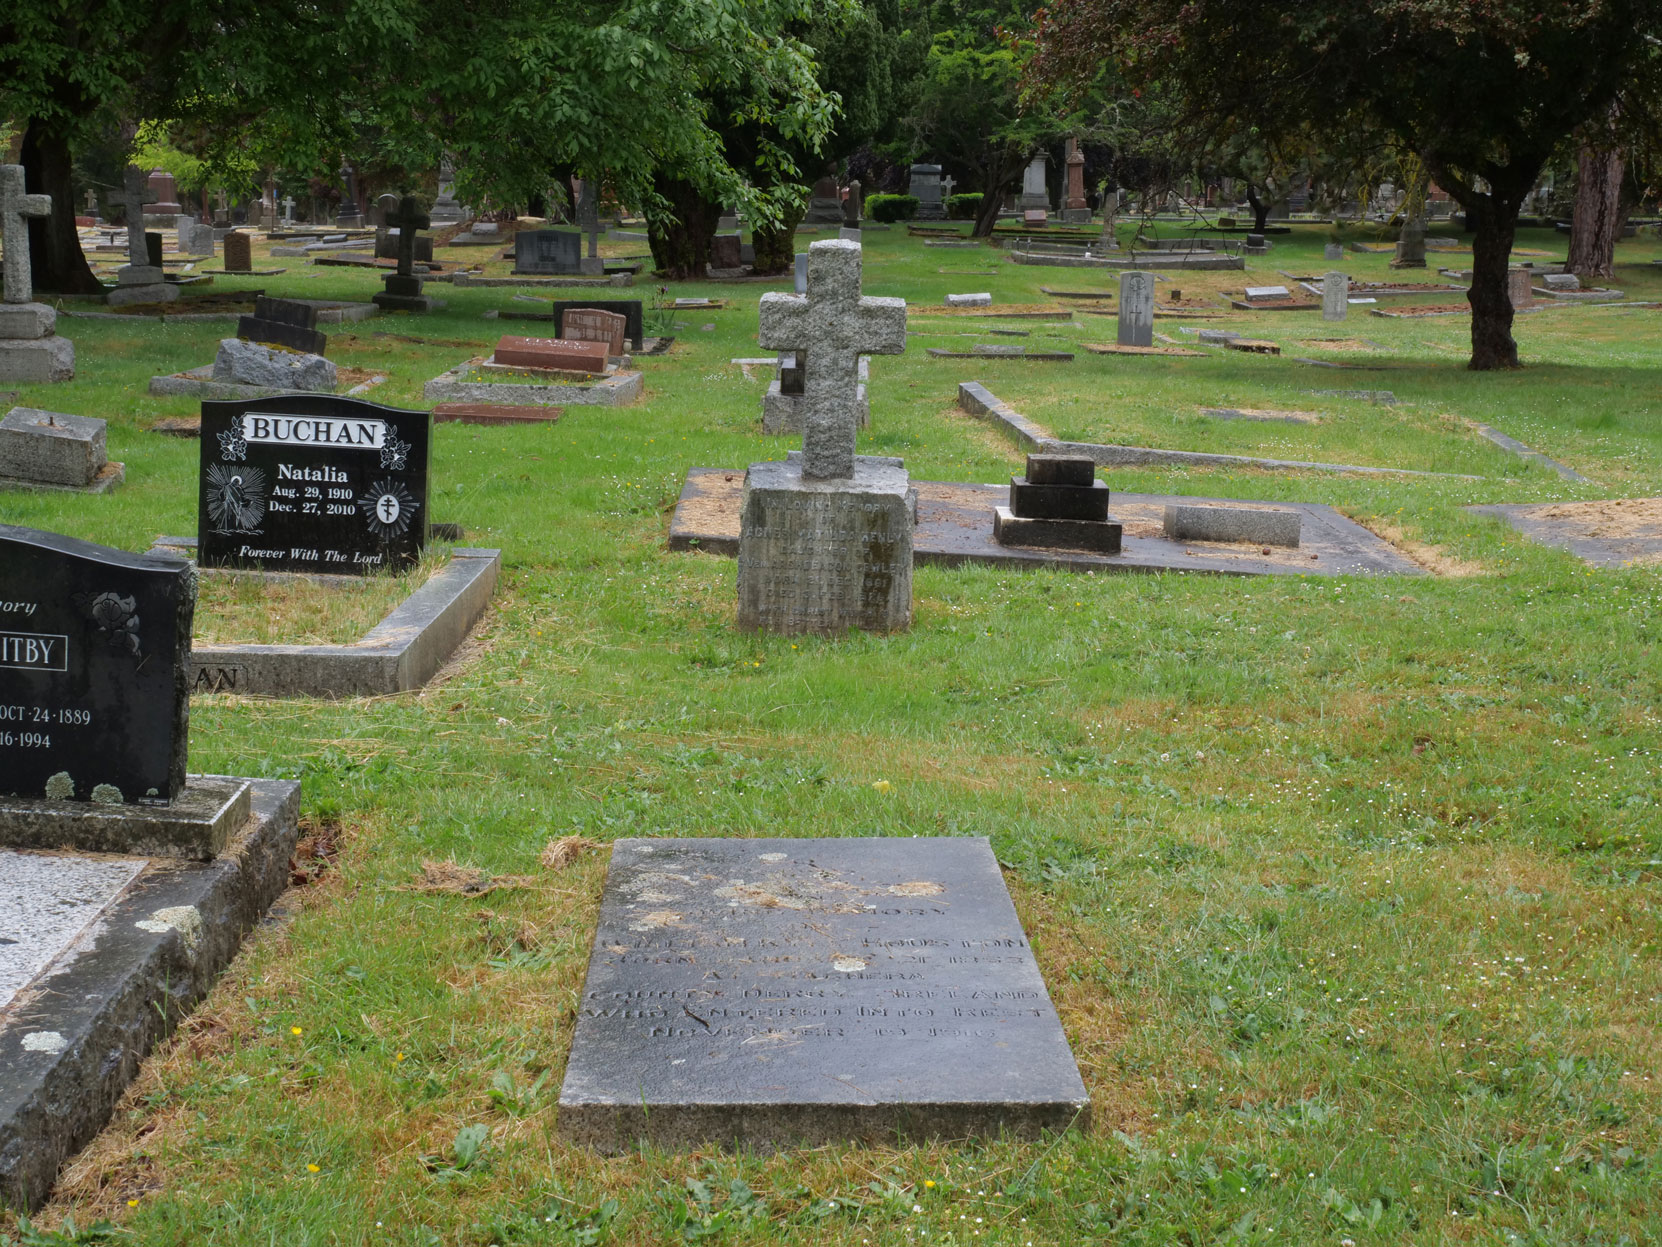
(74, 1039)
(399, 654)
(978, 401)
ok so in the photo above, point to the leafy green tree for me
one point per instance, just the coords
(1482, 91)
(970, 112)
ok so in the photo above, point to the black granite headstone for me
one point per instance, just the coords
(283, 322)
(312, 483)
(94, 670)
(763, 993)
(629, 309)
(553, 251)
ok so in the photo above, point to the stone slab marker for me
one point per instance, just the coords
(1519, 288)
(30, 349)
(239, 252)
(775, 992)
(1335, 296)
(1136, 314)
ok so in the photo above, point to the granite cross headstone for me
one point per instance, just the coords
(588, 220)
(1136, 314)
(95, 660)
(830, 328)
(15, 210)
(312, 483)
(403, 289)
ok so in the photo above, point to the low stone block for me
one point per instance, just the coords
(37, 361)
(27, 320)
(253, 363)
(195, 824)
(1061, 470)
(561, 354)
(1013, 530)
(1029, 501)
(1249, 525)
(127, 295)
(51, 447)
(982, 299)
(1562, 281)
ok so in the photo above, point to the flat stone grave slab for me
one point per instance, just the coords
(772, 992)
(1000, 352)
(1114, 348)
(494, 413)
(399, 654)
(119, 950)
(480, 381)
(46, 901)
(1616, 532)
(955, 526)
(1265, 414)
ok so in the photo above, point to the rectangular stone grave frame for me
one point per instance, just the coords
(781, 992)
(400, 654)
(75, 1036)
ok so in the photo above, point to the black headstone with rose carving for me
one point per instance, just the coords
(312, 483)
(94, 670)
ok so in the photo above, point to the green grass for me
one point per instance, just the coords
(1346, 890)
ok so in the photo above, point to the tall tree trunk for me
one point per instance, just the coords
(681, 236)
(55, 253)
(1494, 223)
(776, 248)
(986, 215)
(1599, 214)
(1260, 209)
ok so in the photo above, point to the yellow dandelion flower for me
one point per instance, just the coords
(882, 785)
(929, 1184)
(295, 1030)
(399, 1057)
(132, 1203)
(311, 1168)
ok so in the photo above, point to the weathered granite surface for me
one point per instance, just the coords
(72, 1040)
(772, 992)
(826, 555)
(1252, 525)
(195, 824)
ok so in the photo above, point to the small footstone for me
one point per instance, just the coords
(769, 993)
(1257, 526)
(51, 447)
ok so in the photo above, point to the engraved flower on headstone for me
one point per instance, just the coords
(232, 445)
(115, 616)
(395, 455)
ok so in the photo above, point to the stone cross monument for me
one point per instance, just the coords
(15, 210)
(138, 280)
(588, 220)
(30, 349)
(829, 329)
(403, 288)
(825, 538)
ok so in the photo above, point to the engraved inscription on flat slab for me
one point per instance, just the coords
(47, 901)
(765, 993)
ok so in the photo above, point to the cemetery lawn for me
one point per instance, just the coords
(1346, 890)
(233, 609)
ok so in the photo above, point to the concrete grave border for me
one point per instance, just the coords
(399, 654)
(980, 402)
(74, 1038)
(614, 390)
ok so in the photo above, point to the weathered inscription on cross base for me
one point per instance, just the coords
(764, 993)
(825, 556)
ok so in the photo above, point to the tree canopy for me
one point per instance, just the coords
(1481, 91)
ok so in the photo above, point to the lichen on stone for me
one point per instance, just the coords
(107, 794)
(60, 787)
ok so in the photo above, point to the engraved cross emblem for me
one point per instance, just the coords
(135, 193)
(15, 209)
(830, 328)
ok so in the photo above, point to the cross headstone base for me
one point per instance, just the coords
(129, 292)
(37, 361)
(819, 556)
